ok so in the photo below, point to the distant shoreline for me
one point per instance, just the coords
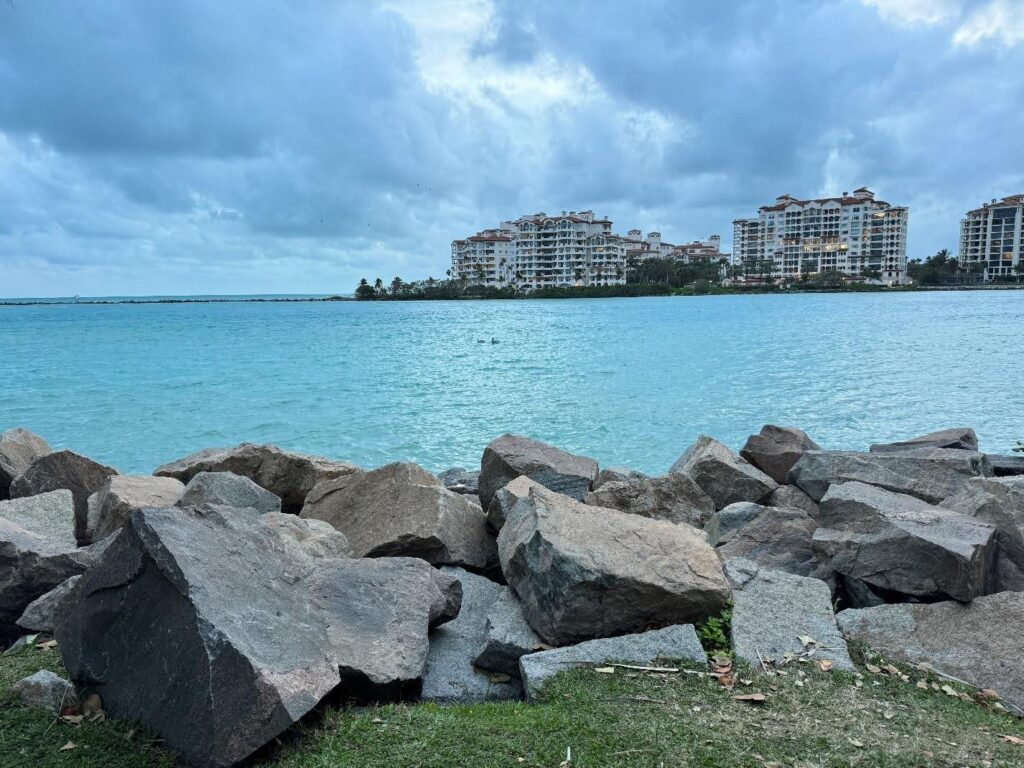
(567, 293)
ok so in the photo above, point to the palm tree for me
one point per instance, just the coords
(378, 286)
(396, 286)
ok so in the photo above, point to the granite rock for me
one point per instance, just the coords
(18, 449)
(510, 456)
(507, 636)
(999, 501)
(774, 450)
(722, 474)
(674, 497)
(120, 495)
(39, 615)
(228, 489)
(45, 690)
(961, 438)
(461, 480)
(790, 496)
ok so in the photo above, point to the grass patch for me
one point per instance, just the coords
(628, 719)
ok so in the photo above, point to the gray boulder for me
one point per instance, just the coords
(793, 498)
(584, 572)
(999, 501)
(450, 676)
(931, 474)
(616, 475)
(37, 552)
(505, 498)
(774, 450)
(401, 509)
(460, 480)
(772, 537)
(18, 449)
(288, 475)
(673, 497)
(510, 456)
(979, 642)
(900, 543)
(507, 636)
(225, 488)
(64, 470)
(1006, 466)
(120, 495)
(218, 628)
(774, 613)
(959, 438)
(676, 643)
(45, 690)
(39, 615)
(722, 474)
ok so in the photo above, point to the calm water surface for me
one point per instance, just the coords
(628, 381)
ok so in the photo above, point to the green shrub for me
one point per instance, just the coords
(715, 631)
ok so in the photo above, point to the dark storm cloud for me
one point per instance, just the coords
(272, 145)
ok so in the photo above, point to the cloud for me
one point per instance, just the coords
(300, 145)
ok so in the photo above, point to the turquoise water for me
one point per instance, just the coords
(628, 381)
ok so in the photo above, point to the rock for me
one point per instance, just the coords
(460, 480)
(854, 593)
(1006, 466)
(584, 572)
(900, 543)
(67, 470)
(228, 489)
(45, 690)
(120, 495)
(673, 497)
(29, 439)
(402, 509)
(616, 475)
(999, 501)
(773, 610)
(772, 537)
(792, 497)
(450, 676)
(510, 456)
(37, 552)
(39, 615)
(676, 643)
(774, 450)
(931, 474)
(288, 475)
(218, 628)
(505, 498)
(722, 474)
(960, 438)
(979, 642)
(18, 449)
(507, 636)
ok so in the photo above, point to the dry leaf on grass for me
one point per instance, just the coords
(605, 670)
(825, 665)
(1012, 740)
(69, 745)
(753, 698)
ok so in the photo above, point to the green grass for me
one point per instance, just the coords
(628, 718)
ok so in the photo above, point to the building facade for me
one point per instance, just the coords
(992, 239)
(852, 235)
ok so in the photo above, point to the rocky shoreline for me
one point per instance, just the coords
(222, 598)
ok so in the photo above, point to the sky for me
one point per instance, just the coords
(295, 146)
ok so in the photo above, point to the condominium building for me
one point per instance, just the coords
(699, 250)
(854, 235)
(992, 238)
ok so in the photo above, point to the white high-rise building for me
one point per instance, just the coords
(992, 238)
(854, 235)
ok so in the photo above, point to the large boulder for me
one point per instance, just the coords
(616, 475)
(45, 690)
(219, 628)
(228, 489)
(772, 537)
(18, 449)
(722, 474)
(931, 474)
(979, 642)
(901, 544)
(774, 450)
(39, 615)
(38, 551)
(999, 501)
(960, 438)
(674, 497)
(507, 636)
(584, 572)
(676, 643)
(510, 456)
(791, 497)
(64, 470)
(778, 617)
(774, 613)
(401, 509)
(1006, 466)
(460, 480)
(288, 475)
(505, 498)
(120, 495)
(450, 675)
